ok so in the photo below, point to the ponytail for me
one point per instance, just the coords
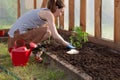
(53, 3)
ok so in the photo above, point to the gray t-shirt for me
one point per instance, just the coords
(29, 20)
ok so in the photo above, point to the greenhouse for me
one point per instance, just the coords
(59, 40)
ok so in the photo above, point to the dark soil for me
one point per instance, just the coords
(100, 62)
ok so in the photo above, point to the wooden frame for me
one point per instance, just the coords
(83, 15)
(71, 15)
(98, 8)
(18, 9)
(44, 4)
(104, 42)
(35, 4)
(61, 19)
(117, 21)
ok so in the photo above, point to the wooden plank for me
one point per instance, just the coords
(83, 15)
(44, 3)
(61, 19)
(56, 21)
(3, 39)
(73, 72)
(117, 21)
(18, 9)
(71, 14)
(98, 9)
(35, 4)
(105, 42)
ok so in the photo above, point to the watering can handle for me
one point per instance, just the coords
(21, 41)
(32, 44)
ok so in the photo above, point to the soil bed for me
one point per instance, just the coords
(100, 62)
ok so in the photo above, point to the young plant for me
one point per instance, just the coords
(78, 37)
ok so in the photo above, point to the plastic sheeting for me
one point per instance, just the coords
(8, 13)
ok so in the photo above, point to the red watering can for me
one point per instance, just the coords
(20, 54)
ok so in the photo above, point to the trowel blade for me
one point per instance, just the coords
(73, 51)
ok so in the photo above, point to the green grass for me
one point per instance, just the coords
(33, 71)
(5, 26)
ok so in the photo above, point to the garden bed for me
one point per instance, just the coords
(99, 62)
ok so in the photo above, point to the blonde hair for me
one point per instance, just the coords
(52, 4)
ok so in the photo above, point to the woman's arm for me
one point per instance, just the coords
(47, 15)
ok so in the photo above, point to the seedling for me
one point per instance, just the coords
(78, 37)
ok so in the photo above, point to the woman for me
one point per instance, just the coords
(37, 25)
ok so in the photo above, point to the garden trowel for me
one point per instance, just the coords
(72, 51)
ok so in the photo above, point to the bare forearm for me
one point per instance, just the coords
(60, 40)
